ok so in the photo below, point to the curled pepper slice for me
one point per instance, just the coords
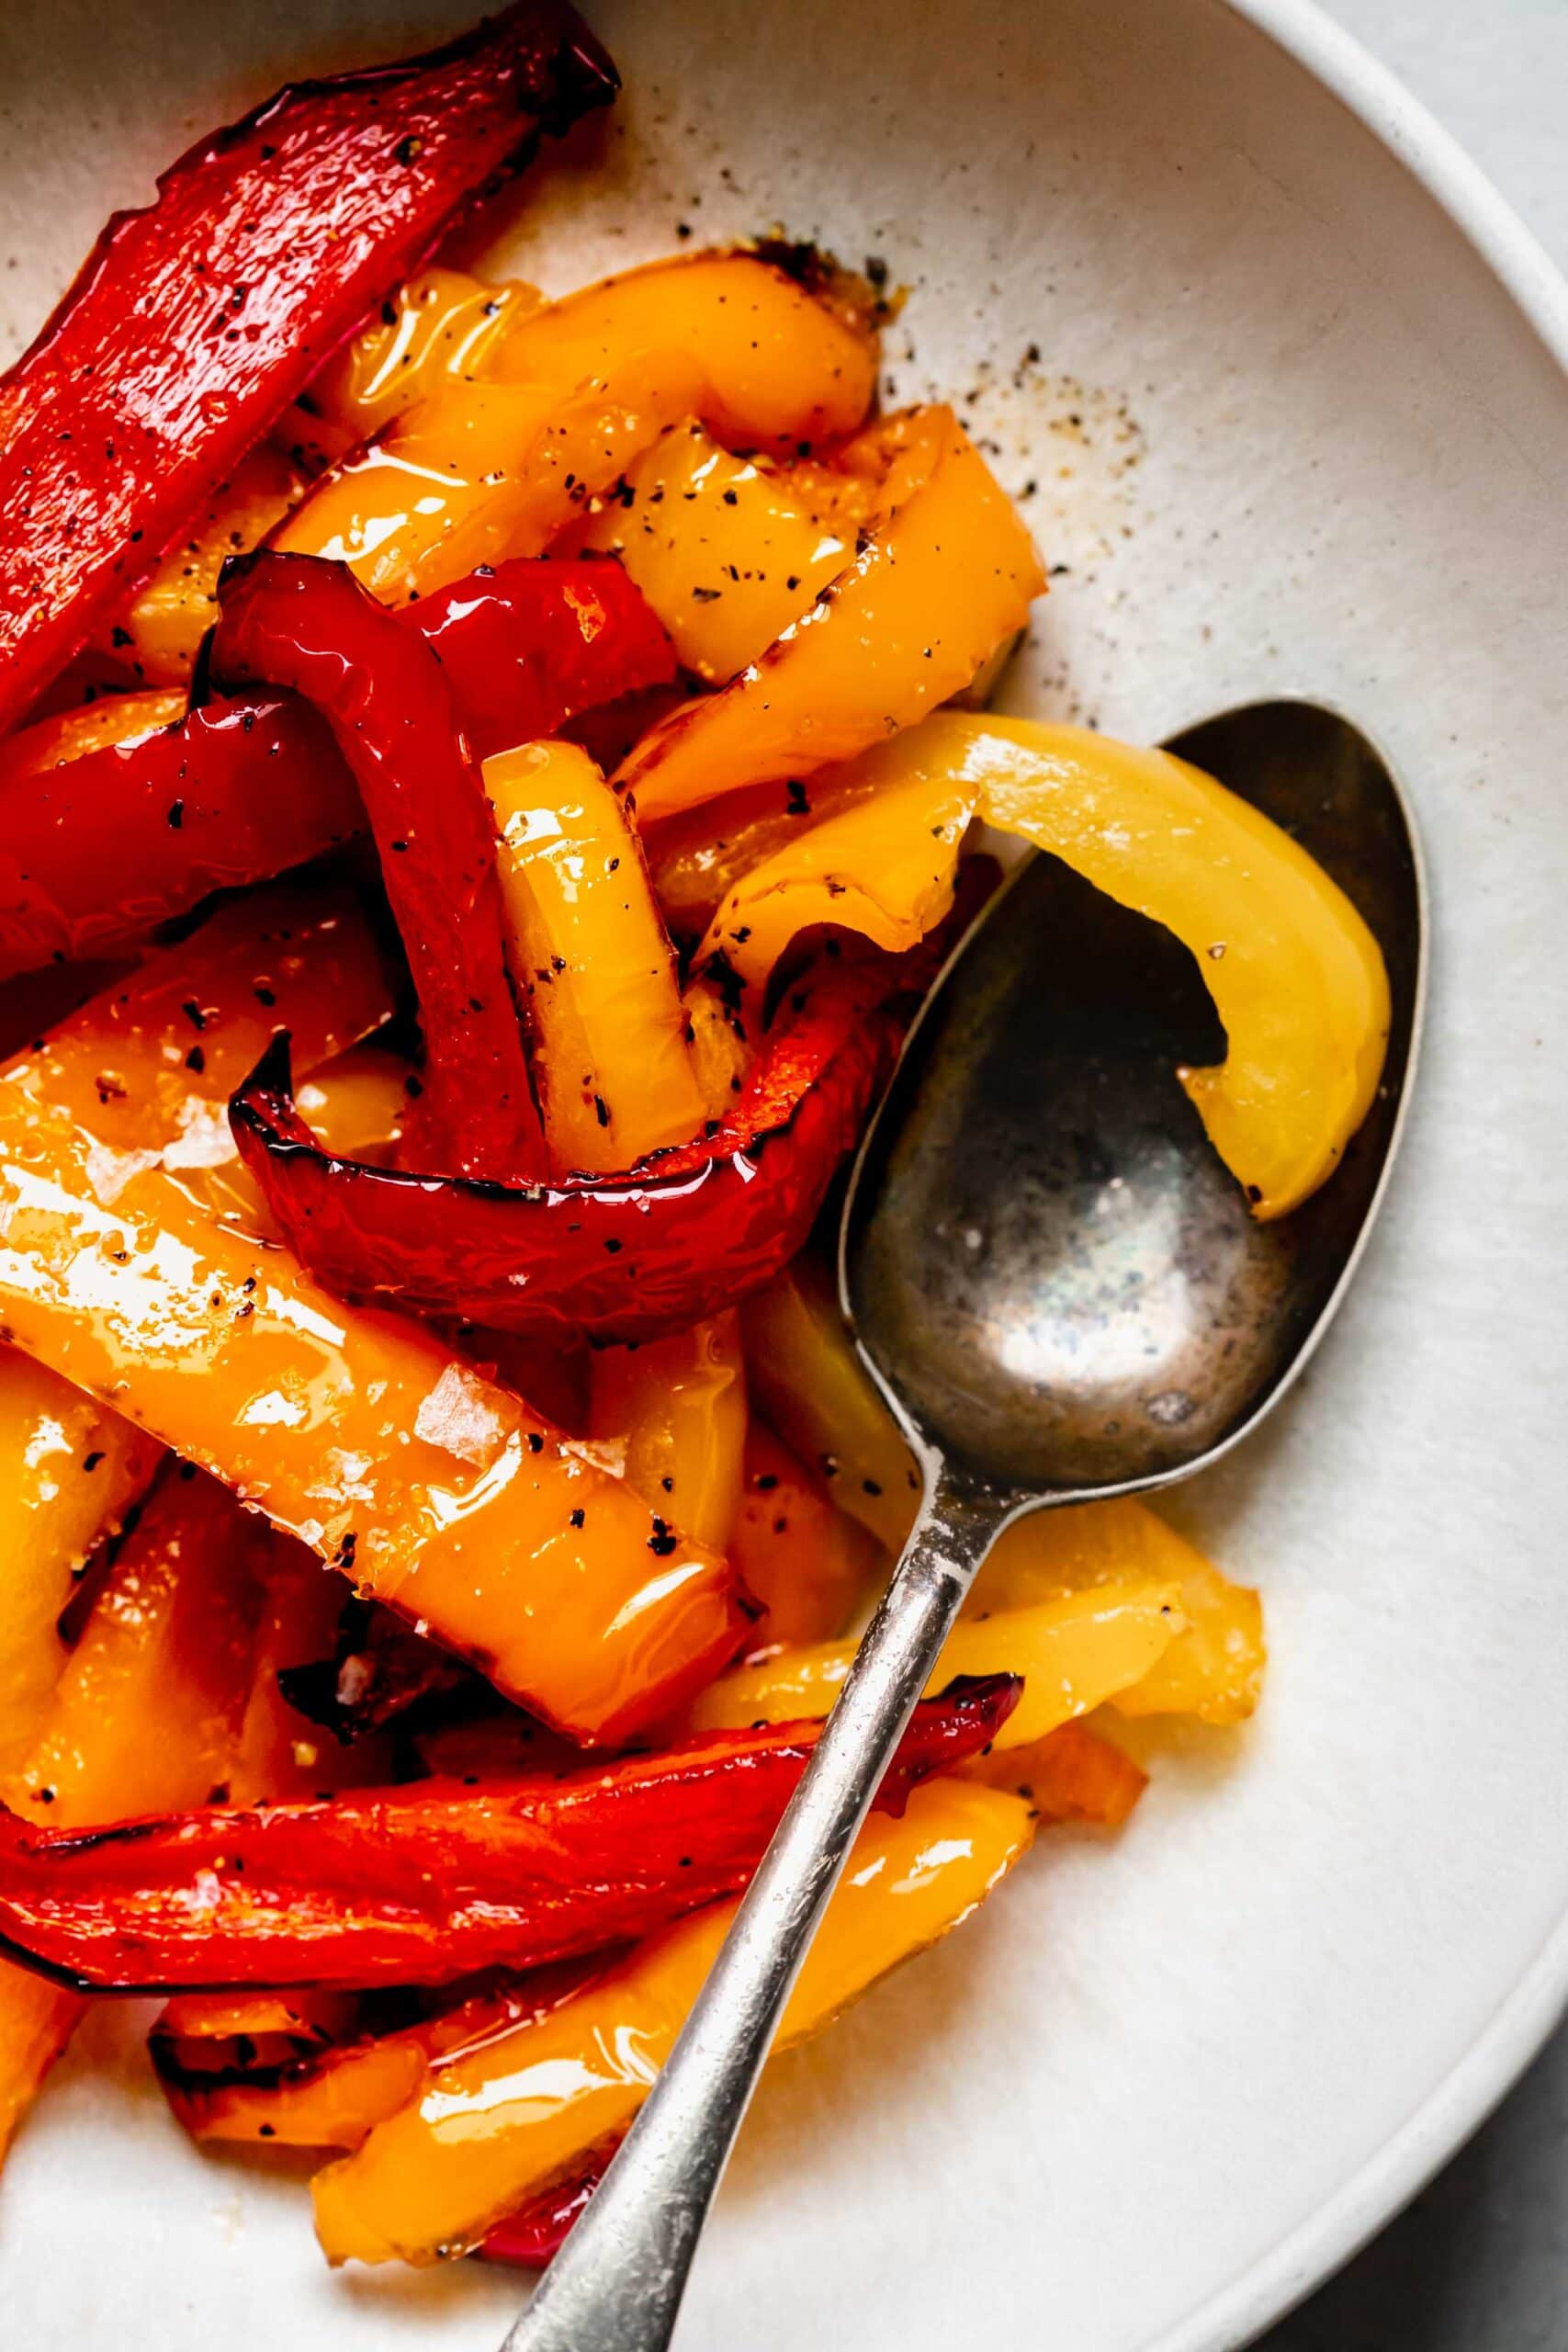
(1296, 975)
(623, 1257)
(930, 595)
(198, 319)
(432, 1883)
(295, 621)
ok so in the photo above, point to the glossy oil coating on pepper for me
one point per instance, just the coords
(299, 622)
(197, 320)
(118, 818)
(434, 1882)
(620, 1257)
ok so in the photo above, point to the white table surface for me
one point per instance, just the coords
(1480, 2262)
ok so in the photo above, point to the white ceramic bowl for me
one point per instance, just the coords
(1300, 420)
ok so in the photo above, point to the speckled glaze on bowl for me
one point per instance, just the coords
(1288, 384)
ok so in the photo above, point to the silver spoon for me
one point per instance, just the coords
(1064, 1297)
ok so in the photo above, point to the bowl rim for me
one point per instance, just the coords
(1445, 2119)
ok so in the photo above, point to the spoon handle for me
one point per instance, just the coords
(616, 2284)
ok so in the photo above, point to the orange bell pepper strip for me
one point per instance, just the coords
(158, 635)
(145, 1713)
(70, 735)
(441, 326)
(502, 2119)
(722, 547)
(779, 367)
(484, 472)
(808, 1564)
(809, 1382)
(70, 1470)
(569, 398)
(1213, 1670)
(1071, 1775)
(440, 1493)
(591, 965)
(935, 588)
(1074, 1653)
(678, 1408)
(1296, 976)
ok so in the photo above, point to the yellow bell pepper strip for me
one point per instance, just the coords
(442, 325)
(144, 1714)
(723, 550)
(70, 1470)
(332, 2096)
(933, 591)
(807, 1380)
(778, 368)
(678, 1408)
(159, 633)
(482, 472)
(591, 963)
(1213, 1670)
(1074, 1653)
(697, 857)
(808, 1564)
(721, 1055)
(500, 2118)
(440, 1493)
(1071, 1775)
(1296, 976)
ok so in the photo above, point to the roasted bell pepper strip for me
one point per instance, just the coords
(778, 366)
(623, 1257)
(198, 319)
(331, 2097)
(441, 325)
(1213, 1670)
(70, 1470)
(85, 727)
(148, 1702)
(570, 398)
(502, 2120)
(678, 1408)
(591, 965)
(1296, 975)
(442, 1494)
(1071, 1775)
(934, 589)
(807, 1564)
(530, 2238)
(1074, 1653)
(96, 849)
(279, 1752)
(295, 621)
(722, 547)
(808, 1380)
(529, 644)
(435, 1882)
(696, 857)
(157, 635)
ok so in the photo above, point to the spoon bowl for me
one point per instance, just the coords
(1048, 1268)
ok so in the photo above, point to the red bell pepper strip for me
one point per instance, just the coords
(100, 849)
(527, 645)
(299, 621)
(429, 1883)
(686, 1232)
(197, 321)
(532, 2237)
